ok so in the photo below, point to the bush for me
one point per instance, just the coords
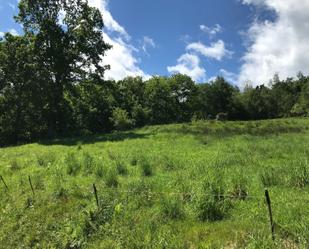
(212, 205)
(121, 120)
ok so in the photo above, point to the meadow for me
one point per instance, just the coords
(192, 185)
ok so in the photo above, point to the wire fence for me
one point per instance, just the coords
(263, 201)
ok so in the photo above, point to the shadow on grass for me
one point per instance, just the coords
(91, 139)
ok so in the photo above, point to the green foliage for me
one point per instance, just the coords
(121, 120)
(88, 163)
(121, 168)
(46, 159)
(271, 177)
(100, 170)
(172, 208)
(14, 165)
(199, 195)
(146, 167)
(212, 204)
(111, 178)
(73, 164)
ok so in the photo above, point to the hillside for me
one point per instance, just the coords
(193, 185)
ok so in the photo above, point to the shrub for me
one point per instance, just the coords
(121, 120)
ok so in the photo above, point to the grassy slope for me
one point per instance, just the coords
(171, 173)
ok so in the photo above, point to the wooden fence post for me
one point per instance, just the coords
(96, 195)
(7, 188)
(31, 185)
(272, 225)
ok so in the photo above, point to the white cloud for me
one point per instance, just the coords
(189, 64)
(277, 47)
(13, 32)
(121, 57)
(211, 31)
(148, 43)
(216, 50)
(229, 76)
(1, 34)
(110, 23)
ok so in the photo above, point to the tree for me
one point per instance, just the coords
(301, 107)
(184, 91)
(216, 97)
(21, 97)
(121, 120)
(160, 101)
(68, 48)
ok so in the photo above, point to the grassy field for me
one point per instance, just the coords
(197, 185)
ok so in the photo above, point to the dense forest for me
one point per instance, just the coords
(52, 83)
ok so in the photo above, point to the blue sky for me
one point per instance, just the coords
(247, 41)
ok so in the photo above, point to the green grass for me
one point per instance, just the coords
(197, 185)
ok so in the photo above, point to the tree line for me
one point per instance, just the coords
(52, 83)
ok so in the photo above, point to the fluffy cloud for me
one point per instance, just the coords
(229, 76)
(277, 47)
(121, 57)
(211, 31)
(216, 50)
(189, 64)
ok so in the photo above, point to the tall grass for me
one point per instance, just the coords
(194, 185)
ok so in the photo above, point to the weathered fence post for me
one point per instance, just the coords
(29, 178)
(96, 195)
(7, 188)
(272, 225)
